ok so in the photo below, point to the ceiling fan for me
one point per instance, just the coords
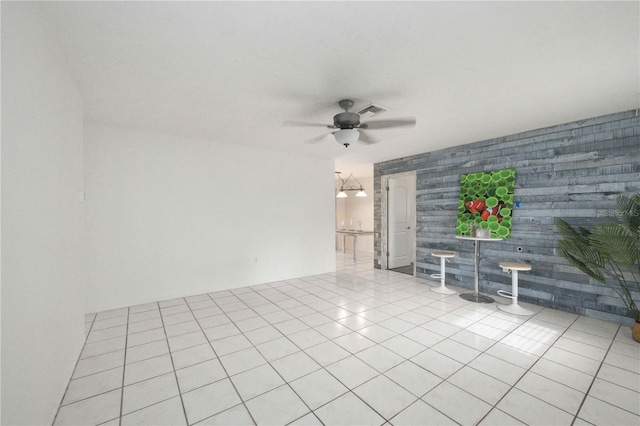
(350, 129)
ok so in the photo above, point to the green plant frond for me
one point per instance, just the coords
(615, 243)
(608, 252)
(628, 211)
(567, 231)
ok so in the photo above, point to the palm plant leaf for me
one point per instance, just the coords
(628, 210)
(575, 247)
(615, 243)
(608, 252)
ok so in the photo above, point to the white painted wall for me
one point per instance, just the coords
(42, 266)
(356, 208)
(169, 216)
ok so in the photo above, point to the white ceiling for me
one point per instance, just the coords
(233, 72)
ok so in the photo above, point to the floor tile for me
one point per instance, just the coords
(98, 363)
(318, 388)
(306, 338)
(92, 385)
(182, 328)
(354, 342)
(480, 385)
(616, 395)
(143, 337)
(620, 377)
(500, 418)
(327, 353)
(572, 360)
(193, 355)
(242, 360)
(495, 367)
(277, 348)
(457, 351)
(256, 381)
(143, 370)
(103, 347)
(230, 344)
(566, 375)
(307, 420)
(234, 416)
(348, 410)
(149, 392)
(147, 350)
(580, 348)
(625, 362)
(165, 413)
(598, 412)
(201, 374)
(421, 413)
(108, 333)
(295, 365)
(531, 410)
(403, 346)
(512, 354)
(277, 407)
(423, 336)
(437, 363)
(413, 378)
(209, 400)
(457, 404)
(377, 333)
(91, 411)
(385, 396)
(352, 372)
(552, 392)
(380, 358)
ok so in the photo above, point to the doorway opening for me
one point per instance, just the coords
(399, 223)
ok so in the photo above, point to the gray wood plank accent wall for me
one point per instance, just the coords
(573, 171)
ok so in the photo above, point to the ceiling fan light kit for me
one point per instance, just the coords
(346, 136)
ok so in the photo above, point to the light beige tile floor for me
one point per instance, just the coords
(359, 346)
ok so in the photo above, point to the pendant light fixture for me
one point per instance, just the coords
(344, 187)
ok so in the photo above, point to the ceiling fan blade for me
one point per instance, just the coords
(366, 138)
(318, 138)
(383, 124)
(304, 124)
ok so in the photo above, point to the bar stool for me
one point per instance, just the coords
(513, 308)
(444, 256)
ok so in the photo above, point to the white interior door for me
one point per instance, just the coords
(401, 213)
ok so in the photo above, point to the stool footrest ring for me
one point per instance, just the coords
(436, 275)
(505, 293)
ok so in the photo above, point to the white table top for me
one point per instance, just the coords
(467, 237)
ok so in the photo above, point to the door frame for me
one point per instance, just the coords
(384, 231)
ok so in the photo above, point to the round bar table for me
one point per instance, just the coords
(476, 296)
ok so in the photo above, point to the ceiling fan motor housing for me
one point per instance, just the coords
(346, 120)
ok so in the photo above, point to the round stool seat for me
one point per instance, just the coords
(443, 254)
(513, 308)
(515, 266)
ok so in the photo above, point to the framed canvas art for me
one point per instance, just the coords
(486, 202)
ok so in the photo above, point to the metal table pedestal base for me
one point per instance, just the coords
(477, 298)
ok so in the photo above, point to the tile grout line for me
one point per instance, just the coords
(173, 366)
(86, 337)
(595, 376)
(218, 358)
(124, 367)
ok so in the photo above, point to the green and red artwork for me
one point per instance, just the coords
(486, 202)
